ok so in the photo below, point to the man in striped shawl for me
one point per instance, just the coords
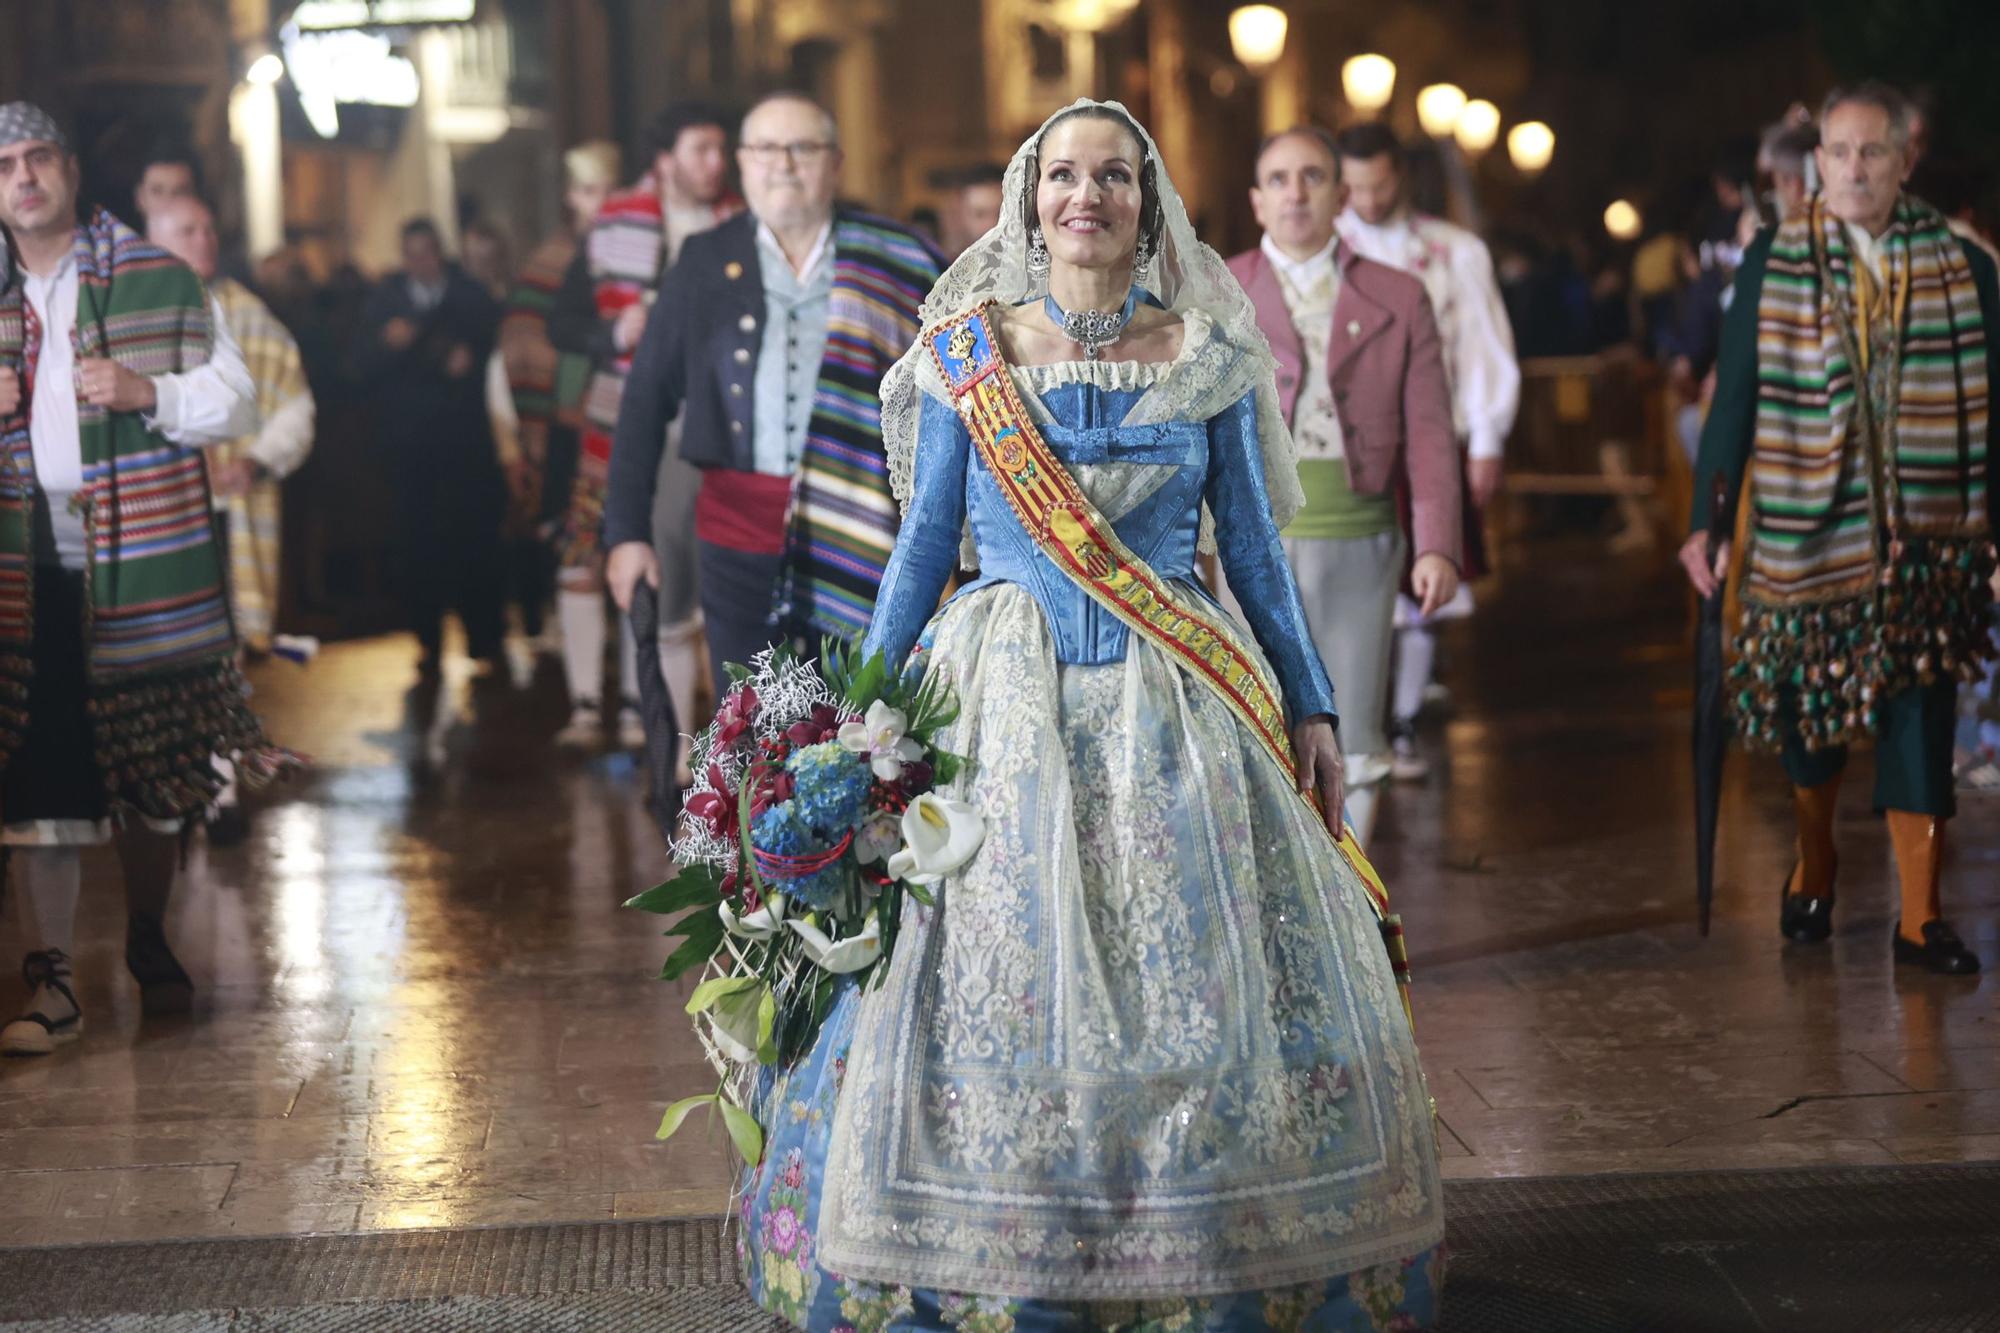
(118, 679)
(600, 313)
(774, 330)
(1853, 384)
(546, 383)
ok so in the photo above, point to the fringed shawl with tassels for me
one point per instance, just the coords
(165, 694)
(1870, 544)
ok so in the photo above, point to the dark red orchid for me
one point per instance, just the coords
(771, 785)
(823, 725)
(736, 715)
(916, 779)
(716, 808)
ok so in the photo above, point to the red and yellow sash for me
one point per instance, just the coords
(1084, 545)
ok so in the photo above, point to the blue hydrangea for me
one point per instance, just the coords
(830, 788)
(779, 831)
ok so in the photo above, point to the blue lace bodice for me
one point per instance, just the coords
(1216, 462)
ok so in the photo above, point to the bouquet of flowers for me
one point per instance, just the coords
(815, 810)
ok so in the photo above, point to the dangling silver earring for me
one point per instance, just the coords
(1142, 259)
(1038, 254)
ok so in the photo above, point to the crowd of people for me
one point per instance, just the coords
(762, 412)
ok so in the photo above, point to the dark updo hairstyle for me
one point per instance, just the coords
(1152, 220)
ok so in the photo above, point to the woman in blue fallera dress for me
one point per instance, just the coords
(1143, 1065)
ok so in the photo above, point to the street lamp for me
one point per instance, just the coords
(1257, 36)
(1531, 144)
(1621, 219)
(1478, 126)
(1439, 107)
(1368, 81)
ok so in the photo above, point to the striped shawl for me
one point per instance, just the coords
(844, 517)
(165, 694)
(1869, 543)
(536, 373)
(629, 250)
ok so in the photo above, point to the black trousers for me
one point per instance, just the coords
(736, 592)
(54, 774)
(450, 502)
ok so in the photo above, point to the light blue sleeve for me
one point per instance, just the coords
(1247, 540)
(926, 551)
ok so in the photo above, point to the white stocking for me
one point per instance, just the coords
(681, 660)
(1416, 653)
(581, 615)
(48, 881)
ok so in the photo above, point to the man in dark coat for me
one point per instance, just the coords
(425, 340)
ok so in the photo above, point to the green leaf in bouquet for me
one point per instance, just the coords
(866, 684)
(740, 1013)
(699, 885)
(767, 1023)
(718, 988)
(945, 767)
(703, 931)
(743, 1131)
(920, 893)
(934, 708)
(743, 836)
(836, 663)
(670, 1123)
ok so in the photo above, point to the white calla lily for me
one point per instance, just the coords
(848, 955)
(880, 736)
(939, 836)
(761, 924)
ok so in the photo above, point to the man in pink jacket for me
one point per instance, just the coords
(1361, 377)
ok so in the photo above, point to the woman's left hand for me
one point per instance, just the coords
(1321, 768)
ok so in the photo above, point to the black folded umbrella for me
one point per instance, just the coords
(656, 711)
(1711, 716)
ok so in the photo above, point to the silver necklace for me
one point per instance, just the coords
(1092, 330)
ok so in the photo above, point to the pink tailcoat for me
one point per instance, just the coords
(1387, 369)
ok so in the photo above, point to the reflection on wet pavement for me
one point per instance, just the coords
(420, 1005)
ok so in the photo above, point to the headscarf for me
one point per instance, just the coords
(1186, 275)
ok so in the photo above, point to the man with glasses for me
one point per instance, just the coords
(600, 312)
(774, 330)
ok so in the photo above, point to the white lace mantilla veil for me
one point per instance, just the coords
(1187, 276)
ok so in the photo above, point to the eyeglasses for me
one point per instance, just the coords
(804, 150)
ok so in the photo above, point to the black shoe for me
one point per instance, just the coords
(1802, 918)
(230, 827)
(35, 1033)
(1942, 951)
(164, 985)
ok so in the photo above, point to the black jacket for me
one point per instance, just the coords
(421, 403)
(699, 352)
